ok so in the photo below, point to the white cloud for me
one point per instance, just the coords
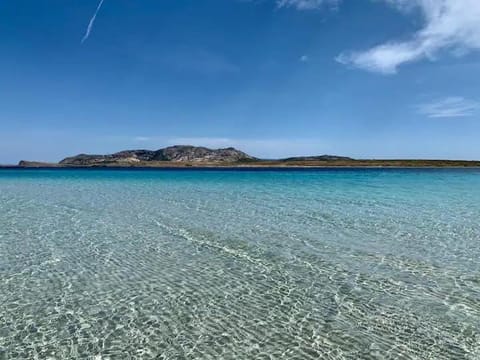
(307, 4)
(304, 58)
(452, 25)
(454, 106)
(141, 138)
(263, 148)
(201, 141)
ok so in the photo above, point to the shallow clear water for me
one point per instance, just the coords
(334, 264)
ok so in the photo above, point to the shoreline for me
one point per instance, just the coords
(240, 167)
(299, 163)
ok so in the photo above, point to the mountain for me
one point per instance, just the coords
(178, 153)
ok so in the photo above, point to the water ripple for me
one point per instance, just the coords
(255, 266)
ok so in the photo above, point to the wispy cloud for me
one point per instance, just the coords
(141, 139)
(452, 25)
(304, 58)
(307, 4)
(260, 147)
(450, 107)
(266, 148)
(92, 22)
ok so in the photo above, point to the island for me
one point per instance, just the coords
(197, 156)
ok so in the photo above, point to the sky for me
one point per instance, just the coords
(275, 78)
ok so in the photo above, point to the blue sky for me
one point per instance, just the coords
(362, 78)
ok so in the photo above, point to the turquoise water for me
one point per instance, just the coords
(333, 264)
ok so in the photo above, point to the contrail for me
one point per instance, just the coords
(92, 21)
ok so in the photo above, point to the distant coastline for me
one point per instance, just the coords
(358, 164)
(187, 156)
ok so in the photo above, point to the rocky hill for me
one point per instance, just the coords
(178, 153)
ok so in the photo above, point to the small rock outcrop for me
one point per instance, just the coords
(35, 164)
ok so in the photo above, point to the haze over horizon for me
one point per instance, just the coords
(273, 78)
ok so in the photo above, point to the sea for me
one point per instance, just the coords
(240, 264)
